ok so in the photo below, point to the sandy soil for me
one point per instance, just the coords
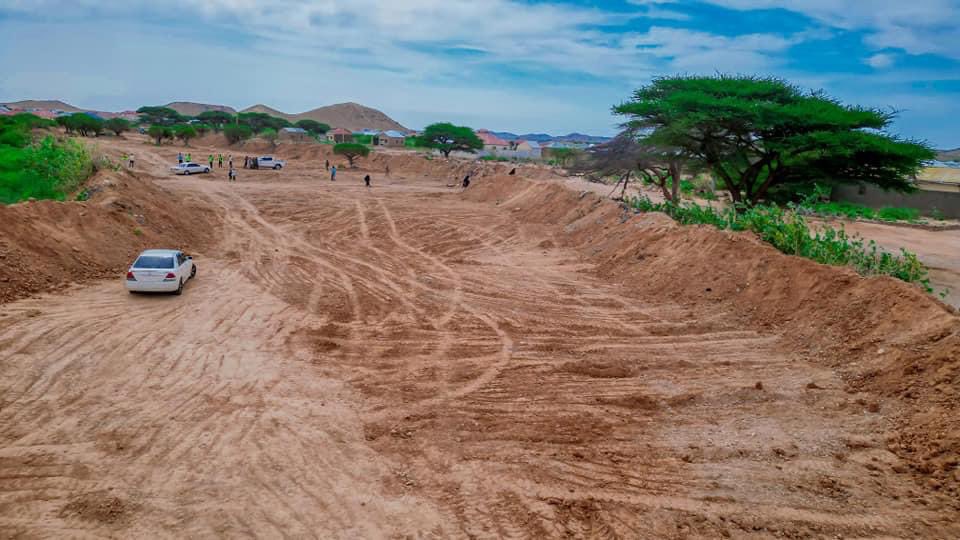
(409, 361)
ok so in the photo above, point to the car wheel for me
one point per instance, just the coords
(186, 173)
(206, 170)
(179, 290)
(193, 271)
(277, 167)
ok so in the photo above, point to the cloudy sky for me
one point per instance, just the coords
(554, 66)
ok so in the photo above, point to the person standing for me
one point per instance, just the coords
(219, 161)
(333, 173)
(210, 160)
(232, 174)
(466, 181)
(388, 170)
(326, 165)
(230, 160)
(130, 161)
(180, 158)
(189, 160)
(366, 180)
(246, 161)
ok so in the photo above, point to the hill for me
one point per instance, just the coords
(949, 155)
(544, 137)
(43, 104)
(352, 116)
(189, 108)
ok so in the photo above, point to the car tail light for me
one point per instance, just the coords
(130, 276)
(170, 276)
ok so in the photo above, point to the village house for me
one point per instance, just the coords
(340, 135)
(491, 143)
(294, 134)
(527, 149)
(392, 139)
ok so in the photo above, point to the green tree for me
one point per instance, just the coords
(237, 132)
(185, 132)
(117, 125)
(351, 151)
(564, 156)
(270, 135)
(447, 137)
(161, 116)
(202, 129)
(81, 123)
(312, 126)
(216, 119)
(160, 133)
(260, 121)
(755, 134)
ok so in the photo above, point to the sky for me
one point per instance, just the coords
(510, 65)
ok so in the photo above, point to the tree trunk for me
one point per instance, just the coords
(626, 180)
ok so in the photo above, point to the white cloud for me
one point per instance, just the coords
(880, 61)
(916, 26)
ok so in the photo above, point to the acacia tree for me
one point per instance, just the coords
(237, 132)
(564, 156)
(351, 151)
(628, 154)
(447, 137)
(270, 135)
(216, 119)
(312, 126)
(185, 132)
(755, 134)
(159, 133)
(162, 116)
(117, 125)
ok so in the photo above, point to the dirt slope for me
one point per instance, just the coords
(48, 245)
(515, 360)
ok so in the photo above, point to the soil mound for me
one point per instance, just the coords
(885, 336)
(47, 245)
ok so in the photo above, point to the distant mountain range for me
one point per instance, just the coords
(352, 116)
(544, 137)
(949, 155)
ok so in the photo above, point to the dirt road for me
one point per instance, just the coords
(400, 362)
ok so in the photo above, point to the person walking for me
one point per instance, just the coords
(333, 173)
(219, 161)
(366, 180)
(180, 157)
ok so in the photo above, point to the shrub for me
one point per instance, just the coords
(46, 170)
(351, 151)
(789, 232)
(117, 125)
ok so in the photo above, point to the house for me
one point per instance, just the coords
(4, 109)
(491, 143)
(340, 135)
(527, 149)
(392, 139)
(294, 134)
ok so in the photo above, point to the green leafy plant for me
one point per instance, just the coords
(447, 138)
(237, 132)
(351, 151)
(117, 125)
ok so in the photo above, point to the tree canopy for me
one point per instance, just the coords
(755, 134)
(159, 133)
(351, 151)
(312, 126)
(81, 123)
(260, 121)
(447, 138)
(117, 125)
(237, 132)
(270, 134)
(161, 116)
(215, 119)
(185, 132)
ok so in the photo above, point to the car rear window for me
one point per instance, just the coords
(153, 261)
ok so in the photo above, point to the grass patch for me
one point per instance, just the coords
(858, 211)
(788, 231)
(45, 169)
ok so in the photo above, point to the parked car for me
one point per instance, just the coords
(267, 162)
(160, 270)
(189, 168)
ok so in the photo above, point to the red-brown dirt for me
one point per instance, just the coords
(513, 360)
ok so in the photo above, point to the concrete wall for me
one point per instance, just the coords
(947, 203)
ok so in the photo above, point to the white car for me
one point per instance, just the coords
(267, 162)
(189, 168)
(160, 270)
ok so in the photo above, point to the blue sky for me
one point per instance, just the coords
(554, 66)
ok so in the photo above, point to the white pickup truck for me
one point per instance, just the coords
(267, 162)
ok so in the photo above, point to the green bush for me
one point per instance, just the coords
(789, 232)
(237, 132)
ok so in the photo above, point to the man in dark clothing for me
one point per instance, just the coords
(219, 161)
(246, 161)
(179, 157)
(466, 181)
(366, 180)
(326, 165)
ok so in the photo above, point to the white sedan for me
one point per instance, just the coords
(160, 270)
(189, 168)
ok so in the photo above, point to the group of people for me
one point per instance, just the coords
(231, 172)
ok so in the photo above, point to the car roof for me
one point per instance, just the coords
(170, 252)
